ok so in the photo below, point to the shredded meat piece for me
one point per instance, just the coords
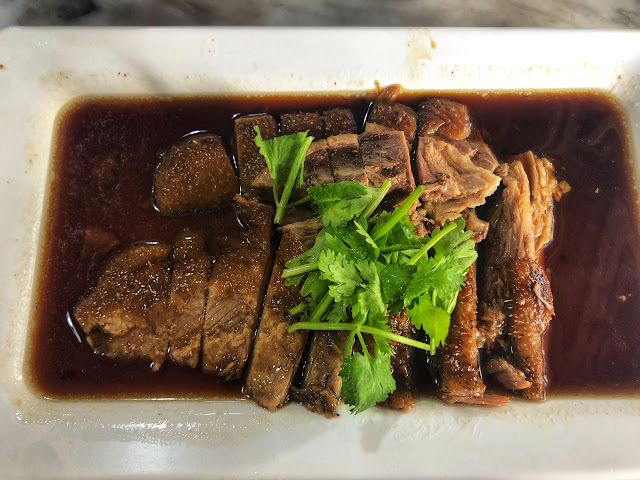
(452, 181)
(516, 302)
(506, 374)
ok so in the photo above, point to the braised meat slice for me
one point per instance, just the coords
(459, 379)
(301, 122)
(276, 352)
(320, 387)
(250, 162)
(443, 117)
(194, 174)
(345, 160)
(385, 156)
(304, 231)
(338, 121)
(189, 276)
(386, 115)
(317, 170)
(321, 382)
(401, 364)
(452, 181)
(125, 315)
(516, 302)
(234, 290)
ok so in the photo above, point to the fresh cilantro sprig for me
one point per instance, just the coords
(285, 160)
(363, 268)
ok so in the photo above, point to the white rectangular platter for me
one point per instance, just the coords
(43, 69)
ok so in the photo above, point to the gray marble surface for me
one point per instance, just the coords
(483, 13)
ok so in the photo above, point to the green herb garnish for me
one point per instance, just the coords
(363, 268)
(285, 159)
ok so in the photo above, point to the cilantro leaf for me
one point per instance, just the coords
(337, 203)
(370, 298)
(433, 320)
(381, 343)
(285, 160)
(337, 313)
(280, 154)
(366, 380)
(311, 255)
(314, 286)
(441, 277)
(393, 280)
(402, 236)
(341, 273)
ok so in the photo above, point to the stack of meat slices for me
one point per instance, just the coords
(227, 313)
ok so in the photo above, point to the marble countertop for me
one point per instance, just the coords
(463, 13)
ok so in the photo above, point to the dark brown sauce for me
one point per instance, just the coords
(594, 259)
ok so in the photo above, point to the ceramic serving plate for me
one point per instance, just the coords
(43, 69)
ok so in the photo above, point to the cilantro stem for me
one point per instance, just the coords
(292, 272)
(401, 210)
(276, 194)
(322, 306)
(398, 248)
(298, 308)
(349, 345)
(434, 239)
(384, 189)
(300, 201)
(355, 328)
(365, 350)
(294, 173)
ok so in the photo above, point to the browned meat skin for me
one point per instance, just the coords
(189, 275)
(440, 116)
(401, 364)
(321, 383)
(517, 304)
(194, 174)
(250, 162)
(452, 182)
(317, 170)
(125, 314)
(234, 292)
(301, 122)
(386, 157)
(338, 121)
(345, 160)
(457, 359)
(390, 116)
(531, 308)
(276, 352)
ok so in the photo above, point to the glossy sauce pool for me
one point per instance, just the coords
(594, 259)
